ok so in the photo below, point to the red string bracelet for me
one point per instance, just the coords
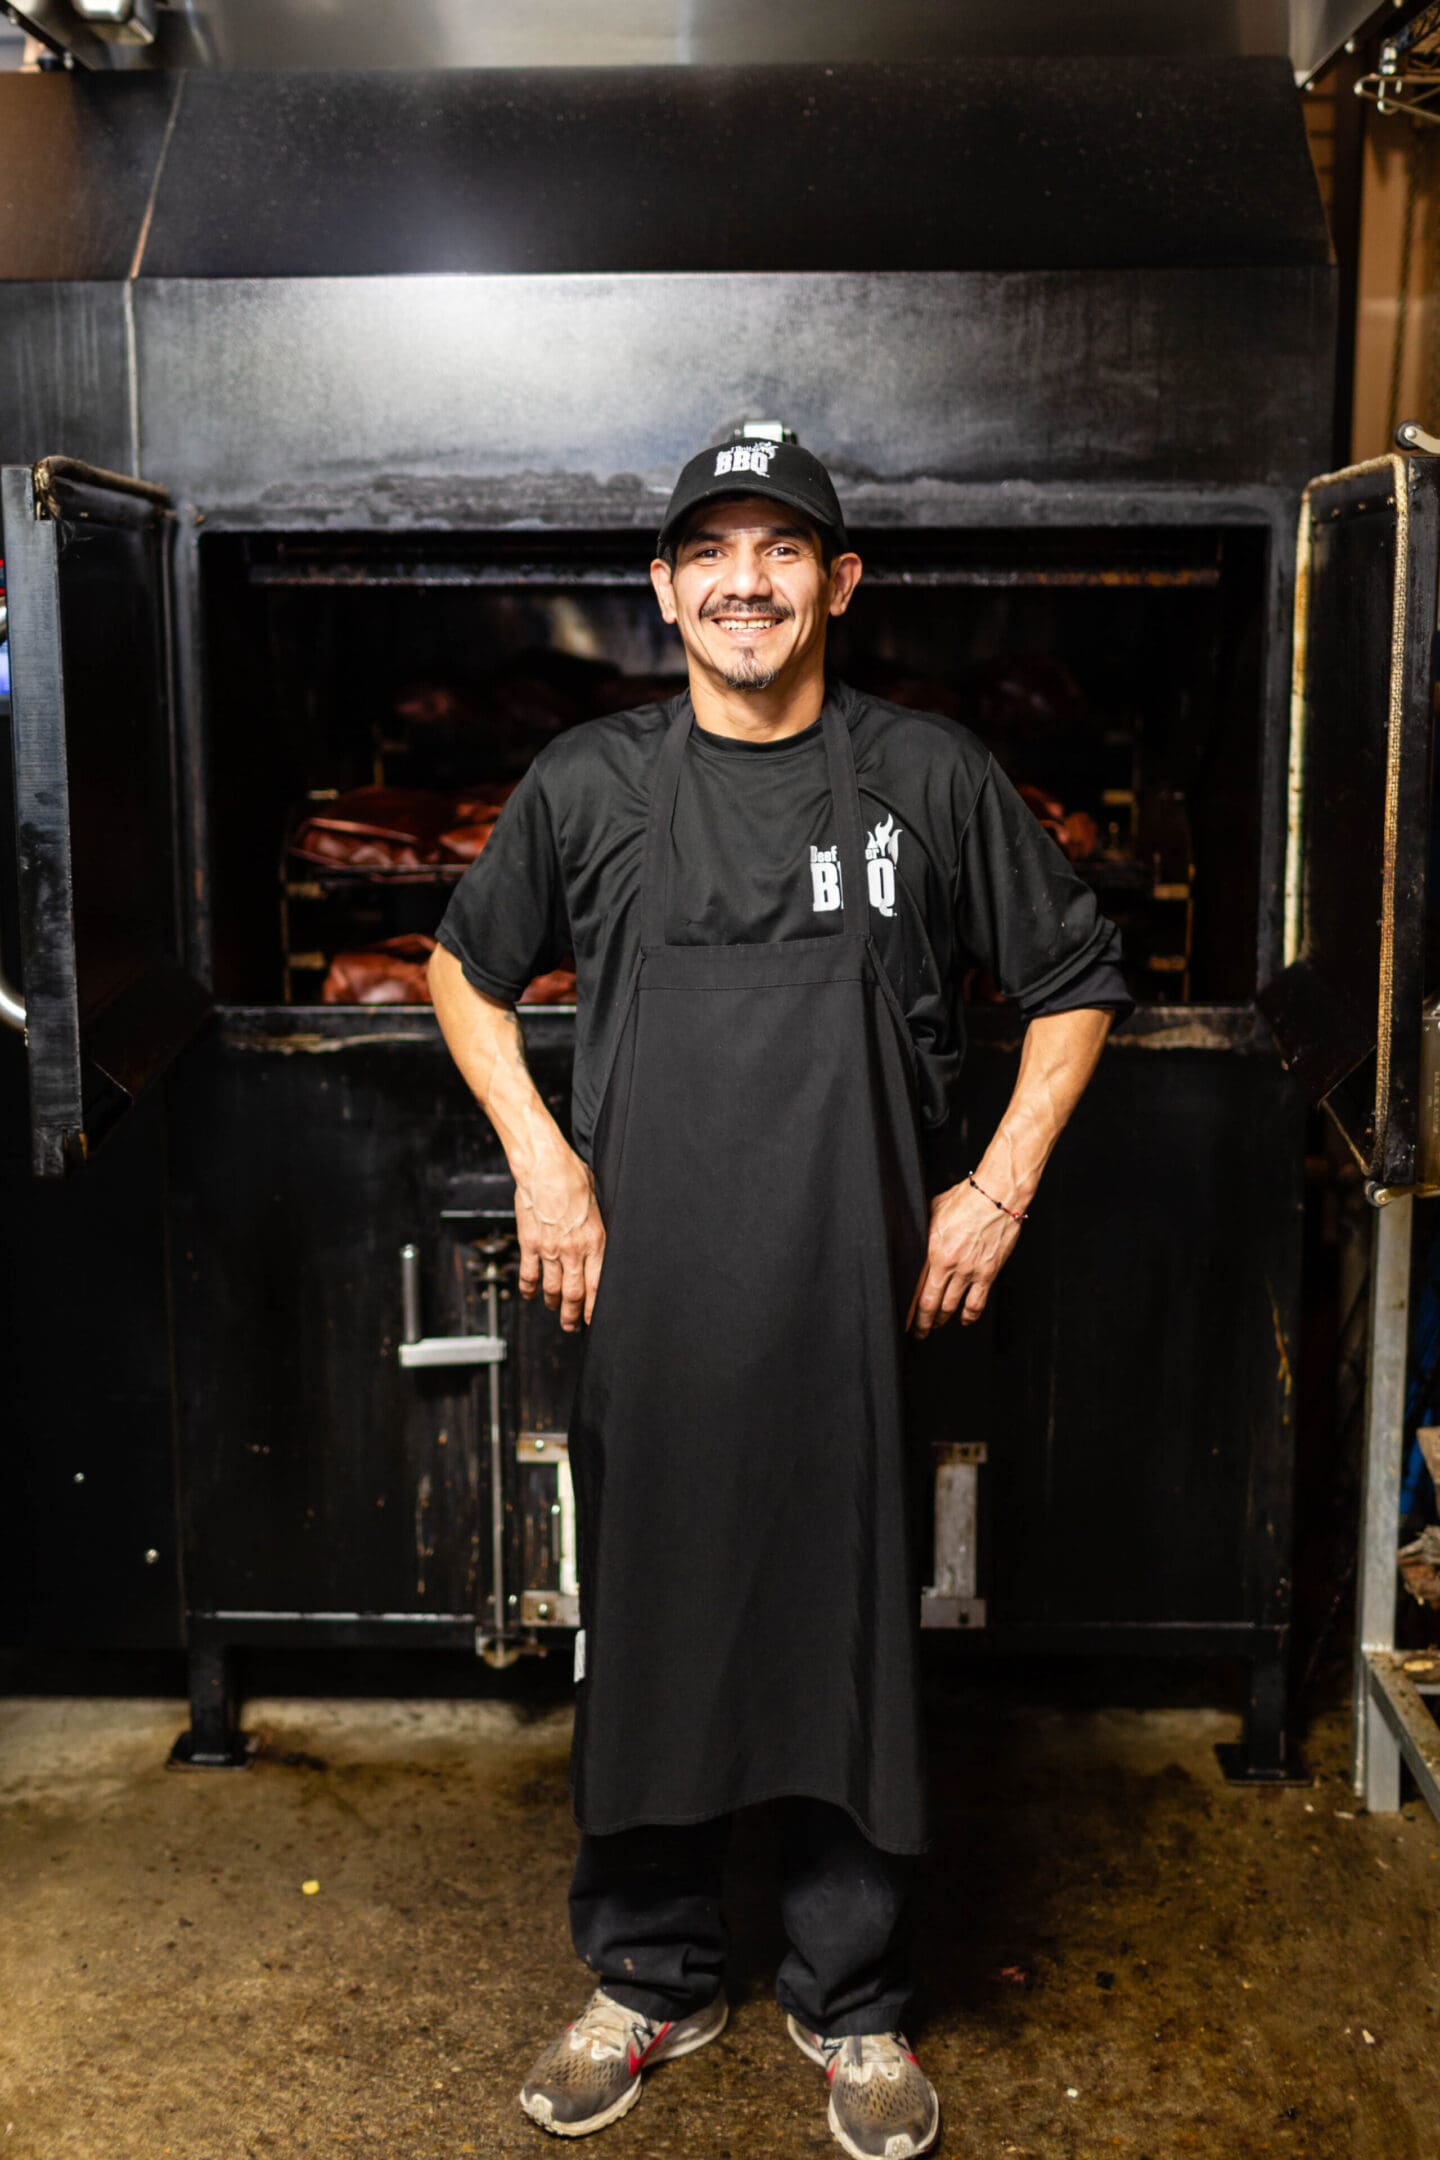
(1023, 1216)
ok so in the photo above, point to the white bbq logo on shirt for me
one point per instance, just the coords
(824, 880)
(882, 853)
(745, 457)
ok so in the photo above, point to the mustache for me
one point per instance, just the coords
(773, 608)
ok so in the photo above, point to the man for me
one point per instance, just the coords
(770, 884)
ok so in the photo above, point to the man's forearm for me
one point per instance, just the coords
(484, 1038)
(1060, 1053)
(970, 1240)
(557, 1221)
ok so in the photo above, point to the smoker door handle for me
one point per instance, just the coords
(454, 1350)
(430, 1350)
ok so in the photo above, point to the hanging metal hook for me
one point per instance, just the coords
(1408, 79)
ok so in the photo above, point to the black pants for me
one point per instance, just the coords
(646, 1917)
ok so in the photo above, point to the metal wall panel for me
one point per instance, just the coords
(79, 159)
(1018, 164)
(65, 374)
(1319, 28)
(92, 1557)
(386, 401)
(1021, 164)
(496, 33)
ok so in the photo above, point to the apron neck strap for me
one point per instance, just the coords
(845, 801)
(655, 879)
(849, 827)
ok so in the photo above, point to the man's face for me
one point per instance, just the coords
(750, 593)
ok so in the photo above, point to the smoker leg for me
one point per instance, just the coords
(1377, 1750)
(1265, 1753)
(214, 1740)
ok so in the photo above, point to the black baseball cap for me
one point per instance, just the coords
(757, 461)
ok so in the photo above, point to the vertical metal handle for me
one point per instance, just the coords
(12, 1008)
(497, 1454)
(416, 1349)
(410, 1292)
(499, 1651)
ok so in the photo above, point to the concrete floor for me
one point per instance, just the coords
(1124, 1957)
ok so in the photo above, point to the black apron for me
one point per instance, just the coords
(748, 1587)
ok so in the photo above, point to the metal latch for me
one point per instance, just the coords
(1427, 1122)
(950, 1601)
(430, 1350)
(560, 1606)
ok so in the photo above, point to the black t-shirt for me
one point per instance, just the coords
(959, 871)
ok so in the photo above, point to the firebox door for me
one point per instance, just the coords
(107, 1003)
(1347, 1004)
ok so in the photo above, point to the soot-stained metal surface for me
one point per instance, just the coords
(329, 289)
(1016, 164)
(573, 401)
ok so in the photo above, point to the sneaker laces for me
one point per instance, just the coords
(861, 2055)
(608, 2027)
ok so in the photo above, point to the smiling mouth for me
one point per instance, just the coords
(745, 626)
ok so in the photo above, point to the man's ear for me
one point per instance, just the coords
(664, 585)
(845, 574)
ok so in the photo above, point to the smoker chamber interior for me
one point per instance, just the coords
(1115, 674)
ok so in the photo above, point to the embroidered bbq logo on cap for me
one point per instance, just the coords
(745, 457)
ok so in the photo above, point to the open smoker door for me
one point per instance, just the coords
(1346, 1005)
(107, 1003)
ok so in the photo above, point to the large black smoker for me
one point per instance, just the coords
(407, 364)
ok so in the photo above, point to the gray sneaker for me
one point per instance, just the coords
(882, 2105)
(590, 2074)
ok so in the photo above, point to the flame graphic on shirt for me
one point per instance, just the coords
(885, 840)
(882, 854)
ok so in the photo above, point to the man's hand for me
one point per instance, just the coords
(562, 1239)
(971, 1237)
(970, 1241)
